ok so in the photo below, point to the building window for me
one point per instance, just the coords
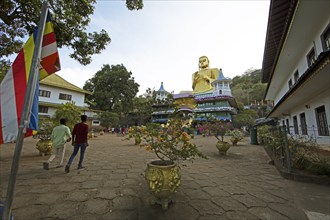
(296, 76)
(303, 123)
(65, 97)
(325, 38)
(290, 83)
(220, 91)
(295, 125)
(288, 126)
(96, 122)
(321, 120)
(311, 57)
(44, 93)
(43, 109)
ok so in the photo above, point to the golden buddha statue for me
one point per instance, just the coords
(203, 78)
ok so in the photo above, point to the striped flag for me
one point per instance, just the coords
(13, 86)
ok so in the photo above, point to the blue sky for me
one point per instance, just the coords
(163, 41)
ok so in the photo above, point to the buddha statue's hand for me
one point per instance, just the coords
(196, 76)
(207, 79)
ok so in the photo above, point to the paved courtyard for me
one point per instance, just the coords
(241, 185)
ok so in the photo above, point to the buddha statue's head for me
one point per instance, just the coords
(203, 62)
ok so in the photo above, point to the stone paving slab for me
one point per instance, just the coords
(241, 185)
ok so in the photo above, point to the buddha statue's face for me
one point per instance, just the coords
(203, 62)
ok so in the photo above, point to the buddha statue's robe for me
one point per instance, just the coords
(203, 78)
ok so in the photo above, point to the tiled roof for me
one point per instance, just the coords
(57, 81)
(221, 76)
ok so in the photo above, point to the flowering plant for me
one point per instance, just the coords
(136, 132)
(217, 128)
(169, 142)
(236, 136)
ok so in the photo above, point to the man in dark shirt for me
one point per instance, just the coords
(79, 140)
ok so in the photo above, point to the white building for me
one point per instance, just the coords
(296, 66)
(54, 91)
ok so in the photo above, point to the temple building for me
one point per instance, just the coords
(162, 106)
(217, 104)
(211, 98)
(185, 103)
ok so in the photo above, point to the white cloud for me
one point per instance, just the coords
(163, 41)
(76, 75)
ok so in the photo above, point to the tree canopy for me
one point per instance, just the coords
(245, 118)
(113, 89)
(109, 119)
(249, 92)
(68, 111)
(248, 87)
(19, 18)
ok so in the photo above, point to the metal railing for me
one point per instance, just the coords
(276, 145)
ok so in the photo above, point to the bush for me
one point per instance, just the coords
(304, 152)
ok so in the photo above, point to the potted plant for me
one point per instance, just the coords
(44, 144)
(171, 145)
(218, 129)
(235, 136)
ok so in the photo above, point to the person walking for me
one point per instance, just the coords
(79, 141)
(60, 135)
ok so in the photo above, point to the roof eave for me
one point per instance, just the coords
(280, 15)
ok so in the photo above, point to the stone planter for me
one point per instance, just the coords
(44, 147)
(137, 140)
(163, 178)
(223, 147)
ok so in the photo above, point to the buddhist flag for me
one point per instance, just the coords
(13, 86)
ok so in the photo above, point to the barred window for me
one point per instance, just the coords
(65, 96)
(290, 83)
(303, 123)
(296, 76)
(325, 38)
(44, 93)
(43, 109)
(311, 57)
(321, 119)
(287, 126)
(295, 125)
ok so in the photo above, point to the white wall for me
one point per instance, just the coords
(302, 65)
(77, 97)
(50, 113)
(317, 101)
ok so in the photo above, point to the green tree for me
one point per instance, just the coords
(245, 117)
(4, 66)
(113, 89)
(257, 91)
(19, 18)
(109, 119)
(248, 87)
(70, 112)
(141, 111)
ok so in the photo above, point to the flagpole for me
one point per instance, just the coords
(25, 116)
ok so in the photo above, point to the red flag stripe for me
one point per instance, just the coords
(20, 82)
(48, 39)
